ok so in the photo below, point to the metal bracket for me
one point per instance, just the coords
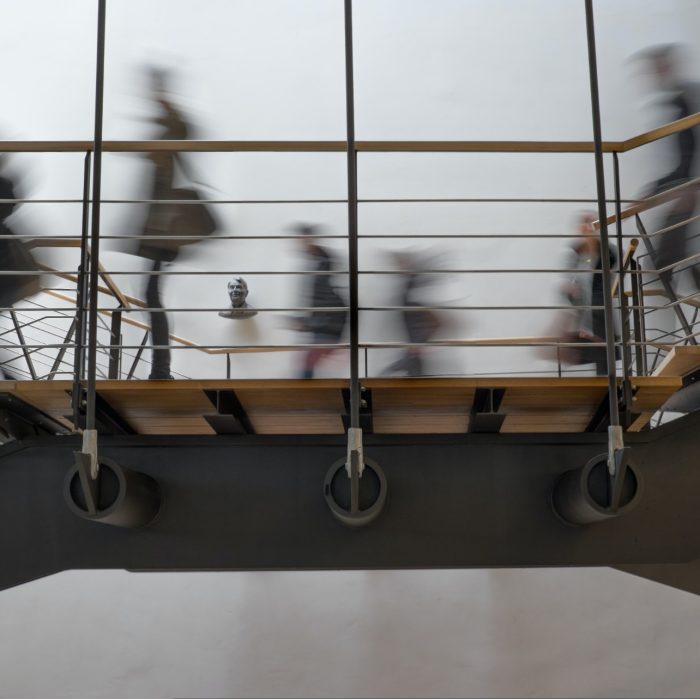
(366, 418)
(355, 462)
(88, 467)
(616, 443)
(618, 457)
(230, 416)
(484, 415)
(108, 420)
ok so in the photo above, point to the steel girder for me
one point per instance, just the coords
(249, 502)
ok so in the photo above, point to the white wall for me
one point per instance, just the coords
(274, 70)
(267, 70)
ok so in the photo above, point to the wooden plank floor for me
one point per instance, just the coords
(399, 406)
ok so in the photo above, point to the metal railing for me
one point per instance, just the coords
(642, 343)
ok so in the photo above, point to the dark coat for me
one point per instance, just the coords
(326, 326)
(686, 102)
(14, 255)
(160, 217)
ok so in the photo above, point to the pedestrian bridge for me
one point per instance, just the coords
(101, 468)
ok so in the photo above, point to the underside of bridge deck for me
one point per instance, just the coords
(243, 502)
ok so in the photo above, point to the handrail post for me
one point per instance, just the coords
(115, 333)
(81, 296)
(624, 313)
(640, 349)
(616, 463)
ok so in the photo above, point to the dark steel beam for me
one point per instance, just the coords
(254, 502)
(484, 415)
(34, 421)
(230, 416)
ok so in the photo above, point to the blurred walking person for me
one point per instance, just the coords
(420, 325)
(14, 255)
(582, 324)
(168, 225)
(325, 327)
(683, 97)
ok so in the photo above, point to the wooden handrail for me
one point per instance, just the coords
(661, 132)
(361, 146)
(625, 261)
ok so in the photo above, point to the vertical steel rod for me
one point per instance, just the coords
(638, 321)
(81, 294)
(115, 333)
(602, 217)
(624, 313)
(95, 232)
(352, 223)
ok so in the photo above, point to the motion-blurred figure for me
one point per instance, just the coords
(420, 325)
(14, 257)
(582, 324)
(684, 98)
(14, 254)
(325, 327)
(168, 226)
(172, 127)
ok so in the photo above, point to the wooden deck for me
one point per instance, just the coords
(396, 405)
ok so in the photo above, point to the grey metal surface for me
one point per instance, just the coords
(250, 502)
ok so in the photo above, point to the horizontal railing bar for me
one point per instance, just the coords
(484, 146)
(210, 146)
(177, 201)
(422, 200)
(39, 240)
(340, 146)
(338, 309)
(317, 273)
(223, 349)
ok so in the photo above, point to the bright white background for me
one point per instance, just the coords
(273, 69)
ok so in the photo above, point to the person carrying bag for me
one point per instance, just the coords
(169, 224)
